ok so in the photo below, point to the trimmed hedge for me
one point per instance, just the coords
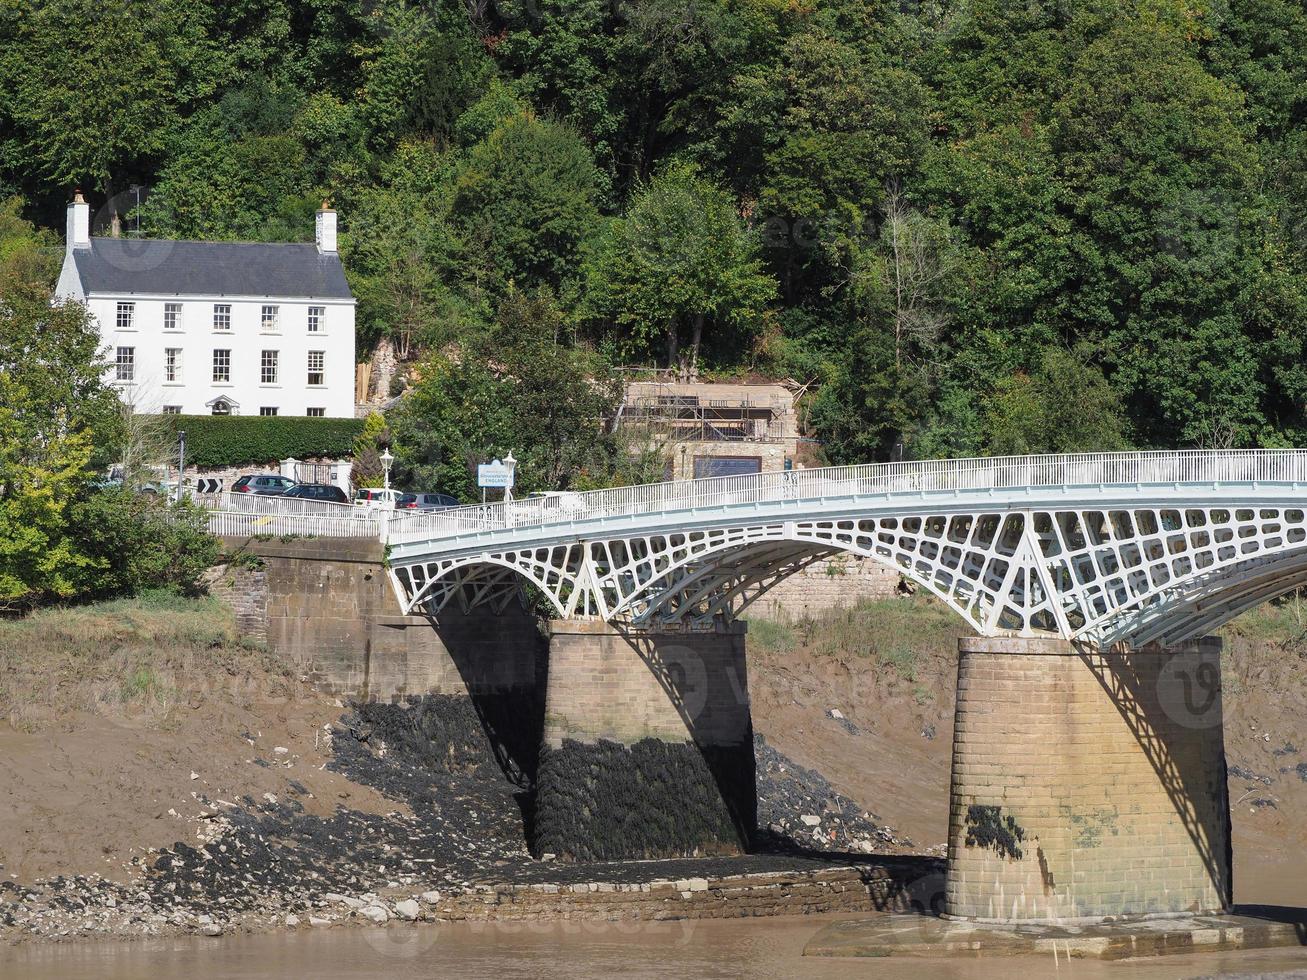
(241, 440)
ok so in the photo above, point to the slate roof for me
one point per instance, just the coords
(142, 265)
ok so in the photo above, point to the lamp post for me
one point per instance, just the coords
(511, 463)
(181, 461)
(386, 460)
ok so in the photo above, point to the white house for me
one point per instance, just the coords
(218, 328)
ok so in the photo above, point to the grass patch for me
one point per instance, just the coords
(906, 637)
(139, 656)
(769, 636)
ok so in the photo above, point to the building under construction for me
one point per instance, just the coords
(711, 429)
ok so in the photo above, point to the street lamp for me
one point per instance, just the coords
(386, 460)
(511, 465)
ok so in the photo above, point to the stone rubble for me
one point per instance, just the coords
(452, 848)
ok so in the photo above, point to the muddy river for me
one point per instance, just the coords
(576, 951)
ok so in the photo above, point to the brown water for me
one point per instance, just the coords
(769, 948)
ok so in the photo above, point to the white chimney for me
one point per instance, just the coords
(79, 222)
(326, 228)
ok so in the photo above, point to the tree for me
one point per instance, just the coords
(134, 541)
(29, 256)
(1157, 172)
(524, 201)
(523, 389)
(1066, 406)
(679, 262)
(53, 405)
(83, 110)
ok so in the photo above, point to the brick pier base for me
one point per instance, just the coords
(648, 745)
(1087, 785)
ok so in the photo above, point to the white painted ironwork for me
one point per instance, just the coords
(1123, 547)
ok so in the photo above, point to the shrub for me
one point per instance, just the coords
(239, 440)
(136, 542)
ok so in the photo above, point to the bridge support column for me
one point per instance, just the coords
(648, 744)
(1087, 785)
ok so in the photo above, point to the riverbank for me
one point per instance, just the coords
(164, 778)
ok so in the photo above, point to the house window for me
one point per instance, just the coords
(268, 410)
(316, 413)
(269, 319)
(172, 316)
(221, 316)
(222, 407)
(172, 410)
(317, 359)
(221, 371)
(268, 368)
(172, 364)
(316, 315)
(126, 314)
(125, 364)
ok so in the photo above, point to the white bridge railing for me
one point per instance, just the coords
(234, 513)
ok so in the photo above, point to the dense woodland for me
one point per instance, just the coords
(975, 226)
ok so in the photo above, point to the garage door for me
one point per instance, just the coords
(726, 465)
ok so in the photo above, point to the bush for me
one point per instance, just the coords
(240, 440)
(136, 542)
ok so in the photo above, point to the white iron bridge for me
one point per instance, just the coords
(1104, 548)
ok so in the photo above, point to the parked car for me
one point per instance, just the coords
(265, 484)
(377, 498)
(426, 501)
(318, 491)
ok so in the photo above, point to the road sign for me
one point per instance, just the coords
(495, 474)
(208, 484)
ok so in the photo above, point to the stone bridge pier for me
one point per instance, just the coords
(647, 748)
(1087, 785)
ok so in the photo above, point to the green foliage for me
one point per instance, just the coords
(1066, 406)
(28, 255)
(237, 440)
(525, 200)
(523, 389)
(678, 262)
(910, 207)
(134, 542)
(52, 407)
(367, 470)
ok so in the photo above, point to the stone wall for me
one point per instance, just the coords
(648, 745)
(245, 590)
(329, 608)
(841, 580)
(1085, 784)
(860, 888)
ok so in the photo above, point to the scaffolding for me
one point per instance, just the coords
(679, 412)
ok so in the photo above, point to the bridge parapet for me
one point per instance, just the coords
(1107, 548)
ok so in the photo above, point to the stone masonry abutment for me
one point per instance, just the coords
(648, 744)
(1087, 784)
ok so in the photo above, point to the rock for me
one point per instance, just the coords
(292, 920)
(408, 909)
(316, 922)
(431, 898)
(194, 774)
(280, 750)
(375, 913)
(835, 713)
(212, 929)
(810, 820)
(698, 884)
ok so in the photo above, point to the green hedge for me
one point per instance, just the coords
(240, 440)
